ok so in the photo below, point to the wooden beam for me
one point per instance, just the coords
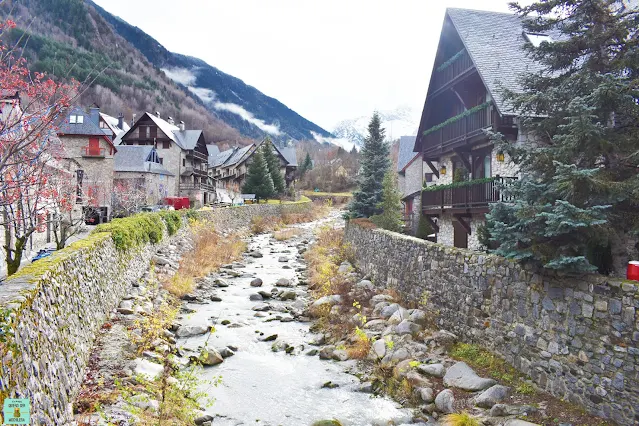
(462, 221)
(460, 98)
(463, 156)
(432, 223)
(432, 167)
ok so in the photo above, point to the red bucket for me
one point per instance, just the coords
(633, 270)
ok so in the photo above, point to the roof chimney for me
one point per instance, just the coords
(94, 112)
(182, 126)
(133, 119)
(158, 114)
(121, 121)
(170, 120)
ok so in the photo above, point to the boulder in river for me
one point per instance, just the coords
(256, 297)
(282, 259)
(256, 282)
(191, 330)
(288, 295)
(210, 356)
(284, 282)
(463, 377)
(444, 401)
(492, 396)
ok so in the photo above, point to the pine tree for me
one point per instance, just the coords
(306, 165)
(391, 216)
(579, 182)
(273, 163)
(375, 162)
(258, 178)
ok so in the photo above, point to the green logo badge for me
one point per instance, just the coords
(16, 412)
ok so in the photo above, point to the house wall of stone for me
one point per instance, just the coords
(577, 337)
(157, 187)
(172, 161)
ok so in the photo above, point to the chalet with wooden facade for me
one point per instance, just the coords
(231, 166)
(479, 54)
(182, 152)
(91, 150)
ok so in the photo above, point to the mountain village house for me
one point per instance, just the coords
(182, 152)
(91, 148)
(479, 54)
(231, 166)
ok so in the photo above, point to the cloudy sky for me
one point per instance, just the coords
(329, 60)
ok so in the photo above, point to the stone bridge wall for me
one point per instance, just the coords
(51, 311)
(576, 337)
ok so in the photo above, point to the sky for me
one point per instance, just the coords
(328, 60)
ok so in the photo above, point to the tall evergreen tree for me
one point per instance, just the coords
(258, 178)
(391, 216)
(273, 163)
(580, 183)
(307, 165)
(375, 162)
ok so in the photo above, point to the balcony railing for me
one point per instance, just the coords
(470, 195)
(196, 187)
(195, 170)
(191, 153)
(459, 66)
(472, 124)
(92, 151)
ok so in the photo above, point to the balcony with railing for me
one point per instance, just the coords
(454, 69)
(197, 186)
(190, 170)
(93, 151)
(191, 153)
(461, 128)
(467, 195)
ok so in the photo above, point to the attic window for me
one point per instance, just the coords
(76, 119)
(537, 39)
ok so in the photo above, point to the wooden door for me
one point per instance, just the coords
(460, 237)
(94, 146)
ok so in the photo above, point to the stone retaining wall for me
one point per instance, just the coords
(51, 312)
(576, 337)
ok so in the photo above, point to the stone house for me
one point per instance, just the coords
(479, 54)
(182, 152)
(91, 149)
(231, 166)
(140, 178)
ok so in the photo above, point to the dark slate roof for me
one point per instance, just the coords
(288, 152)
(213, 150)
(406, 154)
(222, 157)
(134, 158)
(495, 43)
(86, 128)
(238, 155)
(187, 139)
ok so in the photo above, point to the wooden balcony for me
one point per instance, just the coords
(472, 196)
(94, 152)
(461, 67)
(191, 153)
(459, 132)
(196, 187)
(190, 170)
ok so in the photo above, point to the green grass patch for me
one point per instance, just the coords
(134, 231)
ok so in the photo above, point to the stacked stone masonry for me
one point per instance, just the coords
(576, 337)
(49, 320)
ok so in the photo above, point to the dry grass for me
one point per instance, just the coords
(361, 347)
(209, 253)
(364, 223)
(286, 234)
(460, 419)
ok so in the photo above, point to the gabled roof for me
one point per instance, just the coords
(113, 122)
(86, 128)
(495, 44)
(185, 139)
(406, 154)
(288, 152)
(213, 150)
(134, 158)
(222, 157)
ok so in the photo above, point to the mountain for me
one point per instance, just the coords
(401, 121)
(128, 71)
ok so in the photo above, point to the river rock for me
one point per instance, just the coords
(326, 352)
(221, 283)
(256, 297)
(376, 325)
(365, 285)
(503, 410)
(492, 396)
(331, 300)
(379, 348)
(517, 422)
(256, 254)
(210, 356)
(418, 317)
(380, 298)
(261, 307)
(126, 307)
(444, 337)
(417, 380)
(256, 282)
(161, 261)
(444, 401)
(340, 355)
(226, 352)
(463, 377)
(366, 387)
(427, 394)
(215, 298)
(199, 421)
(345, 268)
(191, 330)
(264, 294)
(144, 402)
(146, 368)
(284, 282)
(435, 370)
(407, 327)
(288, 295)
(282, 259)
(398, 316)
(389, 310)
(327, 423)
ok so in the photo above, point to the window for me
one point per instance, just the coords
(184, 162)
(537, 39)
(72, 119)
(428, 177)
(166, 144)
(161, 160)
(80, 119)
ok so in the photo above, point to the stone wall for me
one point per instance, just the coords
(576, 337)
(51, 311)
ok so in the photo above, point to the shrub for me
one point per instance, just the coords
(192, 214)
(259, 224)
(286, 234)
(173, 221)
(460, 419)
(179, 285)
(134, 231)
(424, 228)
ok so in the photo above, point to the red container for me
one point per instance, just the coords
(633, 270)
(178, 203)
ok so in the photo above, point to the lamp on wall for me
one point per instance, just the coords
(500, 156)
(442, 170)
